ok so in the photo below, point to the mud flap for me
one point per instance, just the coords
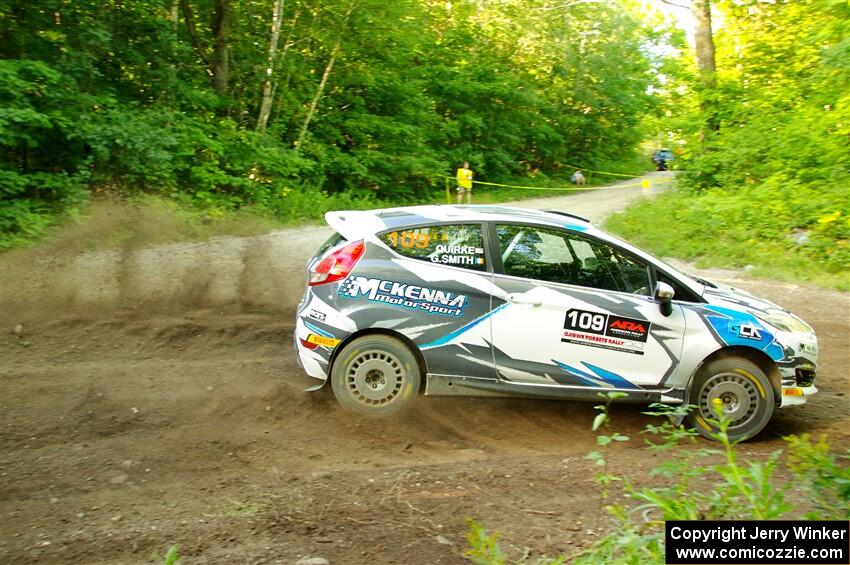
(314, 388)
(677, 419)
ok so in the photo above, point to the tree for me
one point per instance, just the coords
(314, 103)
(218, 65)
(221, 52)
(244, 103)
(706, 64)
(266, 104)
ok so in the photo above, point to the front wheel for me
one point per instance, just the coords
(375, 375)
(743, 391)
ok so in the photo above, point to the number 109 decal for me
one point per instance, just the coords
(607, 331)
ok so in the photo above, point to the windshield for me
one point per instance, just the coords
(695, 284)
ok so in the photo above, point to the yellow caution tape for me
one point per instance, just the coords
(602, 172)
(645, 183)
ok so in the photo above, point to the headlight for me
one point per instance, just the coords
(785, 322)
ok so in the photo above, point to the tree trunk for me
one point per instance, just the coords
(221, 53)
(193, 33)
(704, 40)
(266, 103)
(286, 45)
(315, 102)
(704, 45)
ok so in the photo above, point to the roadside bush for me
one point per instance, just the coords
(764, 152)
(700, 483)
(784, 228)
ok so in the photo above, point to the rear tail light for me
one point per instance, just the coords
(336, 265)
(308, 345)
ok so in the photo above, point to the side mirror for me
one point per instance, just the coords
(664, 295)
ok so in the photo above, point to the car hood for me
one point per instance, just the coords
(726, 295)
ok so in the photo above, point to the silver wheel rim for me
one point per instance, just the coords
(374, 378)
(738, 395)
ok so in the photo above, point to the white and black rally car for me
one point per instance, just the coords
(500, 301)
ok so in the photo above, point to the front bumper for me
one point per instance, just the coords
(796, 395)
(797, 385)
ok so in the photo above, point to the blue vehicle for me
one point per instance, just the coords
(662, 158)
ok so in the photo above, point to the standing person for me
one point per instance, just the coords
(660, 159)
(464, 183)
(578, 178)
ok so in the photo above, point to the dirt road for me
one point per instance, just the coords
(126, 429)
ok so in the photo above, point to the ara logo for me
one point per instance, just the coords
(607, 324)
(405, 295)
(628, 325)
(628, 328)
(747, 331)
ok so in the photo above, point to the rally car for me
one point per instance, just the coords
(501, 301)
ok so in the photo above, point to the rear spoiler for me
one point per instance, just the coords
(354, 224)
(569, 215)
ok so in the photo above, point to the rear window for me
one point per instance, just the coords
(457, 245)
(331, 242)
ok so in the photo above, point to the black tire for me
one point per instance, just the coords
(375, 375)
(748, 398)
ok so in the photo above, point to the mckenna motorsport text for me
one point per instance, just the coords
(405, 295)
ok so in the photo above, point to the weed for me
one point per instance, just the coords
(483, 547)
(171, 556)
(701, 483)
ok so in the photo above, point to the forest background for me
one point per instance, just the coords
(216, 110)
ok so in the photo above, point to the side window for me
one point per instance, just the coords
(535, 253)
(458, 245)
(584, 252)
(628, 275)
(680, 292)
(559, 256)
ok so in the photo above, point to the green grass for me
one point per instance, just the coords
(740, 229)
(171, 557)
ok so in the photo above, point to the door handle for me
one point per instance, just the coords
(517, 299)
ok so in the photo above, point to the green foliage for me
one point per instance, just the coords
(824, 475)
(21, 221)
(768, 186)
(118, 98)
(794, 232)
(738, 492)
(483, 547)
(171, 557)
(633, 543)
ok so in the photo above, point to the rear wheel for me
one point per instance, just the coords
(744, 392)
(375, 375)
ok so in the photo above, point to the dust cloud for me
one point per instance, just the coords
(120, 259)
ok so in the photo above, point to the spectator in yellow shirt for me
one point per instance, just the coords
(464, 183)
